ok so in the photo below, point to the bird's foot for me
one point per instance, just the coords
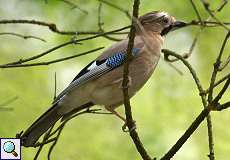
(126, 129)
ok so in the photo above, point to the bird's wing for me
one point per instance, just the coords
(96, 69)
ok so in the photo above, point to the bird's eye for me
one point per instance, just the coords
(165, 20)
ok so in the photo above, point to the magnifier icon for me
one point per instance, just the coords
(9, 147)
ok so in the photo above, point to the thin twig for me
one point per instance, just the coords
(168, 53)
(73, 6)
(223, 106)
(206, 23)
(197, 12)
(224, 2)
(100, 24)
(22, 36)
(45, 140)
(221, 93)
(54, 143)
(49, 62)
(216, 67)
(39, 55)
(206, 6)
(212, 82)
(52, 27)
(116, 7)
(48, 137)
(218, 82)
(224, 64)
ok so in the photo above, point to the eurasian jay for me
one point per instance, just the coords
(100, 82)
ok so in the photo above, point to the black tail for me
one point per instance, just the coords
(43, 123)
(40, 126)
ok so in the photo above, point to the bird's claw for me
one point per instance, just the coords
(126, 129)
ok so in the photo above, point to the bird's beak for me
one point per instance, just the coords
(176, 25)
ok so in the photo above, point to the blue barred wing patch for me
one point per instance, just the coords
(118, 59)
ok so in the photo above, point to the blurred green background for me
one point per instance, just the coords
(163, 109)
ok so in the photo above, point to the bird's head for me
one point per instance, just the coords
(160, 22)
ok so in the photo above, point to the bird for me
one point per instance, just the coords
(100, 82)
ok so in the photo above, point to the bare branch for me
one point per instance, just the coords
(207, 23)
(223, 106)
(116, 7)
(197, 12)
(22, 36)
(224, 2)
(216, 67)
(52, 27)
(218, 82)
(205, 113)
(100, 24)
(130, 122)
(168, 53)
(224, 64)
(37, 56)
(49, 62)
(48, 137)
(73, 6)
(54, 143)
(206, 6)
(221, 93)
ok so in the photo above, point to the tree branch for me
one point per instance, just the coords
(72, 41)
(49, 62)
(22, 36)
(52, 27)
(223, 106)
(130, 122)
(73, 6)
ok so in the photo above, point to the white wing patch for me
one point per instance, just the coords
(92, 66)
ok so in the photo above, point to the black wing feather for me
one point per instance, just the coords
(85, 69)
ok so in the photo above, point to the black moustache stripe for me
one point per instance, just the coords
(166, 30)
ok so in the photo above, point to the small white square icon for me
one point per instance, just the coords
(10, 149)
